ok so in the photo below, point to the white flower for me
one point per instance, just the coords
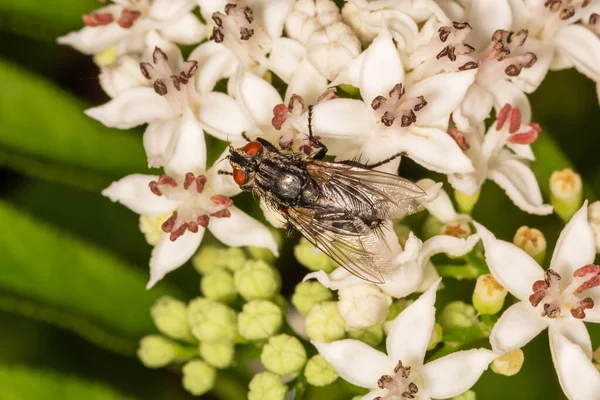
(390, 120)
(441, 207)
(330, 43)
(501, 155)
(362, 305)
(126, 22)
(561, 299)
(402, 372)
(196, 200)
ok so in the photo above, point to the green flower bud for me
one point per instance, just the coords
(198, 377)
(431, 227)
(363, 305)
(457, 314)
(532, 241)
(156, 351)
(151, 227)
(267, 386)
(212, 321)
(468, 395)
(170, 317)
(566, 192)
(259, 319)
(319, 372)
(214, 257)
(309, 293)
(509, 364)
(257, 280)
(459, 229)
(313, 258)
(218, 354)
(466, 202)
(218, 285)
(260, 253)
(283, 355)
(436, 336)
(371, 336)
(489, 295)
(324, 323)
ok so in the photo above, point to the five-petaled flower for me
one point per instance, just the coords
(402, 372)
(561, 299)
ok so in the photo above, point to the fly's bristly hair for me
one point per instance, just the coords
(340, 207)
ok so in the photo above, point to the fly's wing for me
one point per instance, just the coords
(358, 248)
(390, 195)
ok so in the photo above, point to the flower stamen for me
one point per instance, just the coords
(398, 386)
(394, 107)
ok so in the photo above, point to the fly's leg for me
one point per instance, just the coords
(319, 155)
(289, 229)
(267, 145)
(383, 162)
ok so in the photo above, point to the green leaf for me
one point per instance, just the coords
(42, 122)
(52, 268)
(44, 20)
(24, 383)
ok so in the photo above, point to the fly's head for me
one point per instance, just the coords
(245, 161)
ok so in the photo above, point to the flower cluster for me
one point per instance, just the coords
(442, 82)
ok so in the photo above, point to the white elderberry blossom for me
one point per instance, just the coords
(501, 155)
(561, 299)
(402, 372)
(197, 200)
(392, 119)
(125, 23)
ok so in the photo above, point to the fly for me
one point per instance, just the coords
(339, 207)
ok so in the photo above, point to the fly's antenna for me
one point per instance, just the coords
(310, 116)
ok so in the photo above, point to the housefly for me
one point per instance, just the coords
(339, 207)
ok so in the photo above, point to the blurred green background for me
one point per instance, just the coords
(73, 265)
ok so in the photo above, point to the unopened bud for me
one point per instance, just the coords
(594, 220)
(363, 305)
(508, 364)
(468, 395)
(319, 372)
(457, 314)
(313, 258)
(371, 336)
(267, 386)
(259, 319)
(466, 202)
(218, 285)
(217, 354)
(459, 229)
(214, 257)
(198, 377)
(436, 336)
(489, 295)
(156, 351)
(324, 323)
(151, 227)
(170, 317)
(283, 355)
(532, 241)
(566, 192)
(309, 293)
(257, 280)
(212, 321)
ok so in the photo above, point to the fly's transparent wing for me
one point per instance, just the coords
(390, 195)
(358, 248)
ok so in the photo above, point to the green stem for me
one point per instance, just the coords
(458, 271)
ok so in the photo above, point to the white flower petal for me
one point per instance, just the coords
(258, 97)
(456, 373)
(441, 207)
(174, 57)
(156, 140)
(356, 362)
(443, 92)
(186, 29)
(242, 230)
(381, 147)
(121, 75)
(131, 108)
(168, 256)
(578, 377)
(520, 185)
(350, 74)
(574, 330)
(410, 331)
(342, 118)
(576, 245)
(222, 117)
(273, 15)
(133, 192)
(338, 279)
(486, 17)
(381, 67)
(512, 267)
(477, 104)
(93, 40)
(285, 56)
(406, 279)
(208, 7)
(505, 92)
(215, 62)
(378, 393)
(517, 326)
(453, 246)
(435, 150)
(582, 47)
(306, 82)
(188, 151)
(530, 78)
(166, 9)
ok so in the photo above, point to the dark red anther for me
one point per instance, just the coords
(587, 270)
(578, 313)
(178, 233)
(189, 179)
(203, 220)
(224, 213)
(536, 298)
(167, 180)
(589, 284)
(502, 116)
(222, 200)
(192, 227)
(539, 286)
(200, 183)
(97, 19)
(169, 224)
(127, 18)
(154, 188)
(280, 112)
(527, 137)
(515, 120)
(459, 138)
(587, 303)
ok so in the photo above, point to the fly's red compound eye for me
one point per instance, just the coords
(252, 148)
(239, 176)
